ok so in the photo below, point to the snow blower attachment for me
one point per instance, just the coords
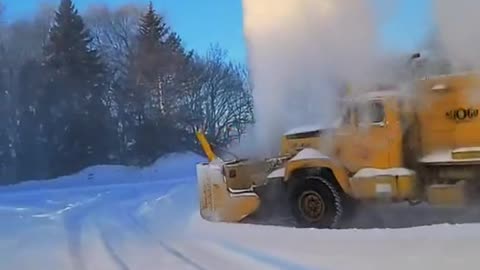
(219, 201)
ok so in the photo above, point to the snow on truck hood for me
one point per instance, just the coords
(309, 153)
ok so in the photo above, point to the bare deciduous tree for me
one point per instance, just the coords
(114, 33)
(220, 101)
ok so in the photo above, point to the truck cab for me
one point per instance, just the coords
(367, 142)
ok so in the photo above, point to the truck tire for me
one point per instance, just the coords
(316, 203)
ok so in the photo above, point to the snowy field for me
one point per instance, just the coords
(113, 217)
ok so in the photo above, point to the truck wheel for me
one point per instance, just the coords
(316, 203)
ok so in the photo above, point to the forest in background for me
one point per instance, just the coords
(109, 86)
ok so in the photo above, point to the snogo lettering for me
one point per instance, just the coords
(462, 114)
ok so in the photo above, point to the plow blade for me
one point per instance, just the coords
(219, 203)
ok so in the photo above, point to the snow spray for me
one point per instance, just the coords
(301, 54)
(455, 24)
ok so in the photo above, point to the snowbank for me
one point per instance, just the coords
(171, 167)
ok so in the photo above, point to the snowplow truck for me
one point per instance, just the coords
(417, 145)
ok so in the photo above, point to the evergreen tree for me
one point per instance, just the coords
(153, 29)
(174, 43)
(152, 74)
(78, 125)
(69, 52)
(151, 54)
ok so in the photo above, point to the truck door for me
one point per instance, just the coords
(376, 138)
(345, 136)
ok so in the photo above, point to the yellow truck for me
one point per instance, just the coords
(420, 144)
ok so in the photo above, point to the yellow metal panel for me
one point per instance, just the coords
(243, 175)
(378, 187)
(449, 117)
(372, 145)
(407, 187)
(433, 141)
(437, 131)
(447, 195)
(374, 187)
(217, 203)
(473, 154)
(467, 130)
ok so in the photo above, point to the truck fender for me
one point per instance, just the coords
(310, 158)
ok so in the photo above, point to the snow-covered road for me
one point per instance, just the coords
(125, 218)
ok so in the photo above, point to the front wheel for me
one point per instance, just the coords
(316, 203)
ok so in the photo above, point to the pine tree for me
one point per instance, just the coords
(153, 28)
(69, 50)
(151, 73)
(77, 121)
(151, 55)
(174, 45)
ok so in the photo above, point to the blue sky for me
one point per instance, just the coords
(409, 23)
(208, 21)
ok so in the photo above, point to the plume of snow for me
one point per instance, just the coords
(456, 25)
(302, 54)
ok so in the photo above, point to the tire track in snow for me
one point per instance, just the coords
(174, 252)
(263, 257)
(215, 257)
(74, 222)
(121, 202)
(143, 229)
(93, 212)
(253, 254)
(196, 254)
(125, 212)
(112, 252)
(222, 240)
(115, 212)
(180, 255)
(235, 256)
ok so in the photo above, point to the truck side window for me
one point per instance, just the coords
(376, 112)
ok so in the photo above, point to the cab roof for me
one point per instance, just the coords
(378, 94)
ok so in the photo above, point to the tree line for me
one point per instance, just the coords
(110, 86)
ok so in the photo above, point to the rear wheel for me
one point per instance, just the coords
(316, 202)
